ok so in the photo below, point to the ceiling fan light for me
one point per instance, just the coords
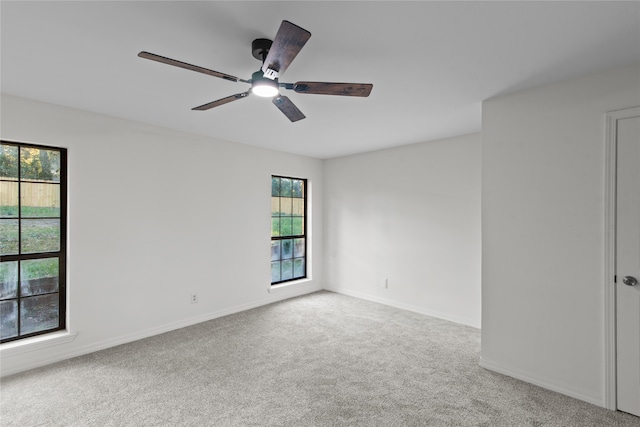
(264, 87)
(265, 90)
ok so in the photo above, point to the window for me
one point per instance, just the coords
(288, 229)
(33, 204)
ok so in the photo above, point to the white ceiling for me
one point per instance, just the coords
(431, 63)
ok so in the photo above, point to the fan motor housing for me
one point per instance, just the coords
(260, 48)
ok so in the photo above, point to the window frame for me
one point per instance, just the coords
(304, 235)
(60, 254)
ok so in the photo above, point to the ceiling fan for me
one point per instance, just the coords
(276, 56)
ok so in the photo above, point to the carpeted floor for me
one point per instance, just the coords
(318, 360)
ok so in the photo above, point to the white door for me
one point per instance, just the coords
(628, 265)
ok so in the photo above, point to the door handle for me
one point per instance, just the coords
(630, 281)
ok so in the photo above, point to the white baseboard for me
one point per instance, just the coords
(542, 382)
(373, 298)
(29, 356)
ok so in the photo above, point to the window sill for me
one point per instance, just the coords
(36, 343)
(283, 286)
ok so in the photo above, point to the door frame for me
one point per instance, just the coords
(611, 169)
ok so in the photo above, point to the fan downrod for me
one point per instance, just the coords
(260, 48)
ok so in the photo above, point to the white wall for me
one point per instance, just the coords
(412, 215)
(155, 215)
(543, 228)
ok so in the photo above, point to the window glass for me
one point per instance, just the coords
(9, 230)
(39, 164)
(8, 279)
(39, 200)
(9, 199)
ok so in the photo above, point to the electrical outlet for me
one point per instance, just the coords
(194, 298)
(384, 283)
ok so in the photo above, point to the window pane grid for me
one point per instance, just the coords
(33, 220)
(288, 229)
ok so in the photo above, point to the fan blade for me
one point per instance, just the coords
(222, 101)
(288, 41)
(288, 108)
(169, 61)
(324, 88)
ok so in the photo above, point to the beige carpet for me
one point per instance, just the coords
(319, 360)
